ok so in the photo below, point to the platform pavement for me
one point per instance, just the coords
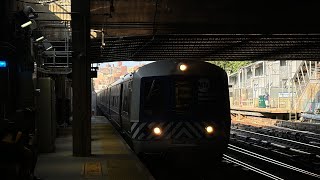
(263, 110)
(111, 159)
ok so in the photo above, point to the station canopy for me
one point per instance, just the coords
(206, 30)
(149, 30)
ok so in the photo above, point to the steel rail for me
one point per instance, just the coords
(264, 158)
(252, 168)
(282, 139)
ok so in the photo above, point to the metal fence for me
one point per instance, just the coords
(245, 98)
(308, 102)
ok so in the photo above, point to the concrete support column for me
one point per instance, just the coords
(81, 124)
(61, 99)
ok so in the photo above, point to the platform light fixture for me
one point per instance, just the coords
(26, 17)
(39, 39)
(29, 12)
(46, 45)
(26, 24)
(50, 47)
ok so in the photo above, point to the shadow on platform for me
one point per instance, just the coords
(111, 159)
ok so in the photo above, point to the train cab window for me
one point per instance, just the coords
(194, 97)
(183, 96)
(155, 94)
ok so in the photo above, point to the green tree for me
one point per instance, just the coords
(231, 66)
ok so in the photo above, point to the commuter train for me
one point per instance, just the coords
(171, 106)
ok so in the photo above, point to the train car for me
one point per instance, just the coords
(171, 106)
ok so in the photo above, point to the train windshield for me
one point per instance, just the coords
(177, 97)
(155, 93)
(184, 95)
(194, 97)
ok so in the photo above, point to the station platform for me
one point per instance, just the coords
(111, 159)
(262, 110)
(274, 113)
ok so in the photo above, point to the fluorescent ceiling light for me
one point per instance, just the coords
(49, 48)
(39, 39)
(26, 24)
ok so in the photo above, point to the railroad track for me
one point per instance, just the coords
(164, 169)
(246, 162)
(266, 166)
(297, 135)
(250, 167)
(303, 155)
(238, 162)
(302, 136)
(307, 146)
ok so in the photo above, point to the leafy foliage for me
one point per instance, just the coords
(230, 66)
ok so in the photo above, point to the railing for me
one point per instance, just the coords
(301, 77)
(308, 70)
(310, 98)
(280, 102)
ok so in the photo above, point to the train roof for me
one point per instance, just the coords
(124, 78)
(171, 67)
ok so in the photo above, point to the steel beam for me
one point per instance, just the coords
(81, 84)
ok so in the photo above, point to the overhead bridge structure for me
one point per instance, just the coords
(232, 47)
(204, 30)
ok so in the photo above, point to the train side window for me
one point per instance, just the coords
(117, 101)
(109, 97)
(106, 97)
(129, 85)
(116, 96)
(125, 97)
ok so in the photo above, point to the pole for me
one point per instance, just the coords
(81, 84)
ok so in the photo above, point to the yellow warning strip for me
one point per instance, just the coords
(92, 169)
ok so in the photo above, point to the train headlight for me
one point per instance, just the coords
(183, 67)
(157, 131)
(209, 129)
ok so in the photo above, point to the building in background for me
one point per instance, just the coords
(291, 85)
(110, 72)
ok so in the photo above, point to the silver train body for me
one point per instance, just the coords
(171, 106)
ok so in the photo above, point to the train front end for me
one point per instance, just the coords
(184, 107)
